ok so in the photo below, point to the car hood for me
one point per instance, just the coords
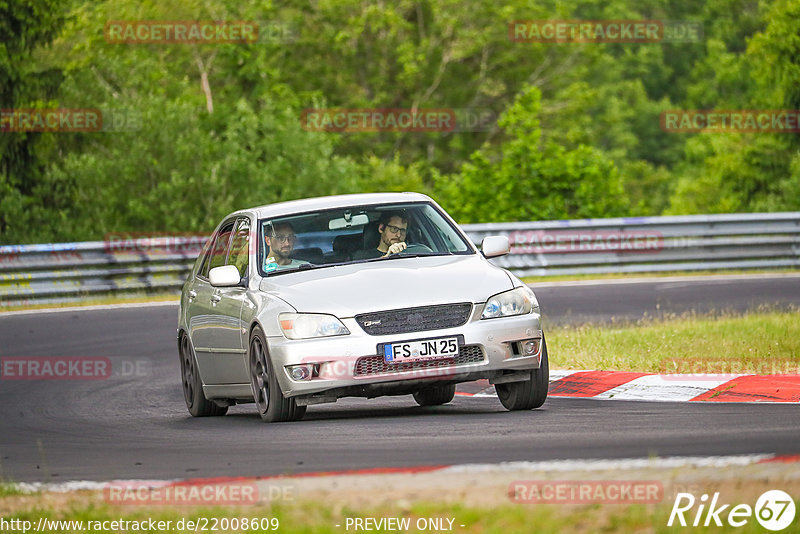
(347, 290)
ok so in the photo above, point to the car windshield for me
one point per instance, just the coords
(355, 234)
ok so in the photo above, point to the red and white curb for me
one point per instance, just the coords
(618, 385)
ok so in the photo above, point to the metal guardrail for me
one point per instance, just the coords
(64, 272)
(649, 244)
(74, 271)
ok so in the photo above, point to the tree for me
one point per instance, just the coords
(531, 178)
(740, 172)
(24, 26)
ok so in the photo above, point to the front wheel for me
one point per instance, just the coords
(196, 401)
(272, 406)
(529, 394)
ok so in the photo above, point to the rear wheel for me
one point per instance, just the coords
(196, 401)
(530, 393)
(435, 395)
(272, 406)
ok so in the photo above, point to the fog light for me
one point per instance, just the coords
(530, 347)
(300, 372)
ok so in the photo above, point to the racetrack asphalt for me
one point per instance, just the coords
(134, 425)
(605, 301)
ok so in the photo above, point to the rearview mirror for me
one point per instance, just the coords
(359, 219)
(495, 245)
(224, 276)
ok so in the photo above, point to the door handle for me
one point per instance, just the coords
(192, 295)
(215, 299)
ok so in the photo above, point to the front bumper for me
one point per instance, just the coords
(351, 364)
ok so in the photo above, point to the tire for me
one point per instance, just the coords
(436, 395)
(196, 401)
(529, 394)
(272, 406)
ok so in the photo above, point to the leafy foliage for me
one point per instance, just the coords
(531, 178)
(24, 26)
(216, 127)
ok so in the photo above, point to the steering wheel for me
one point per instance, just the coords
(416, 248)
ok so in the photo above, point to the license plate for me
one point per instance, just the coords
(422, 349)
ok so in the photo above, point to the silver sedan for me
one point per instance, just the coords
(308, 301)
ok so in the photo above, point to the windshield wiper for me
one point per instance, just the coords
(403, 254)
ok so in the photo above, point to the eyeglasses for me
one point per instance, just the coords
(396, 229)
(289, 238)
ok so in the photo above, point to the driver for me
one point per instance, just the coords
(392, 229)
(281, 244)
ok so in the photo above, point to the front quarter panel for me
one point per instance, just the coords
(265, 310)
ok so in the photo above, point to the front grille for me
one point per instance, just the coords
(418, 319)
(376, 365)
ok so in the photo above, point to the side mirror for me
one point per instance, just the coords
(495, 245)
(224, 276)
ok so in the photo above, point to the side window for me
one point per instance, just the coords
(240, 246)
(216, 252)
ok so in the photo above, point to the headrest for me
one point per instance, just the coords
(370, 236)
(344, 244)
(313, 254)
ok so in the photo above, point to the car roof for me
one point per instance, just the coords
(338, 201)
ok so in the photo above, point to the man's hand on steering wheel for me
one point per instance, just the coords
(395, 248)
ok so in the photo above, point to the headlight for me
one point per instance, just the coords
(518, 301)
(308, 325)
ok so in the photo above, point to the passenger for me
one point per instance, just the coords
(392, 229)
(281, 244)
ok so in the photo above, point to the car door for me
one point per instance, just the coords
(227, 329)
(202, 320)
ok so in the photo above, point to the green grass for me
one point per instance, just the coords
(8, 489)
(762, 341)
(320, 517)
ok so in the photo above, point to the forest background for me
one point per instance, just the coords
(204, 129)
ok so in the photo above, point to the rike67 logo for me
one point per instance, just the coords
(774, 510)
